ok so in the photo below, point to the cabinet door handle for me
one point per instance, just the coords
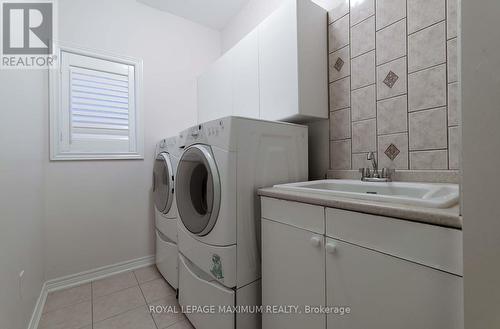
(316, 241)
(331, 247)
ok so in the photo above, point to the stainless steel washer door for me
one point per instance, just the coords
(197, 188)
(163, 182)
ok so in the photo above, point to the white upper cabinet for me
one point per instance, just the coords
(277, 72)
(214, 90)
(279, 93)
(246, 76)
(293, 63)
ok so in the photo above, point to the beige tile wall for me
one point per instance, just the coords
(415, 43)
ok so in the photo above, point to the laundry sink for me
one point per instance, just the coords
(415, 194)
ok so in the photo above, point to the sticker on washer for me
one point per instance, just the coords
(216, 267)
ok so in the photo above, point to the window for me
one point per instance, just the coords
(95, 110)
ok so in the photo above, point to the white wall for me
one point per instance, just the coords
(481, 160)
(23, 145)
(100, 212)
(60, 218)
(254, 12)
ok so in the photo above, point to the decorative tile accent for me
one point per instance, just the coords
(427, 47)
(391, 79)
(397, 66)
(423, 13)
(398, 150)
(338, 64)
(427, 88)
(394, 82)
(363, 70)
(392, 152)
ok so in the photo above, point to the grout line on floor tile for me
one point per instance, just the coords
(159, 277)
(119, 314)
(72, 305)
(135, 277)
(147, 304)
(117, 291)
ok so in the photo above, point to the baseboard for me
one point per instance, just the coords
(37, 311)
(77, 279)
(98, 273)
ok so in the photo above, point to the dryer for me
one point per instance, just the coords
(168, 152)
(223, 164)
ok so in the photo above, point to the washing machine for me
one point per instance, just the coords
(168, 152)
(223, 164)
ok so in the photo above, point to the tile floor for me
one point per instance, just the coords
(117, 302)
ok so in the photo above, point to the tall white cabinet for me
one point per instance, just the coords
(277, 72)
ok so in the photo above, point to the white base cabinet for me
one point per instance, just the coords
(293, 265)
(385, 292)
(276, 72)
(385, 284)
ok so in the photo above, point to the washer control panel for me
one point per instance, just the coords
(202, 132)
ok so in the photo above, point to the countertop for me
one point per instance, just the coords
(449, 217)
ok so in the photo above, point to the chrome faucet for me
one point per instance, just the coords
(373, 175)
(371, 156)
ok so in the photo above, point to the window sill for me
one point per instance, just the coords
(94, 156)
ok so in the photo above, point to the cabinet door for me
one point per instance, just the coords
(385, 292)
(278, 68)
(293, 273)
(246, 76)
(215, 90)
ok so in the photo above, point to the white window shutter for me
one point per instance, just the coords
(98, 115)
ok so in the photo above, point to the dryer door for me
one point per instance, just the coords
(198, 189)
(163, 182)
